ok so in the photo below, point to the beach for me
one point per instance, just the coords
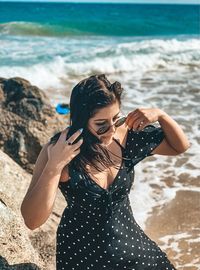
(156, 59)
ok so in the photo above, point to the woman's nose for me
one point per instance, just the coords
(112, 128)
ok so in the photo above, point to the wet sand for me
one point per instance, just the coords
(175, 227)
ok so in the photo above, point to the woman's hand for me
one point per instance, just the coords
(140, 118)
(60, 154)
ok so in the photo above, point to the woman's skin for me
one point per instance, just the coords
(51, 165)
(40, 197)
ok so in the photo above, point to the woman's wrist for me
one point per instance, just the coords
(53, 169)
(161, 114)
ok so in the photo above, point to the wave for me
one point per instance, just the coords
(89, 28)
(37, 29)
(52, 63)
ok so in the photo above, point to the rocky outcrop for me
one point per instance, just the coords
(16, 249)
(22, 248)
(27, 121)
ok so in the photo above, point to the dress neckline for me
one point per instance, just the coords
(116, 176)
(92, 181)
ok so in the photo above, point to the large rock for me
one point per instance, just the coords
(22, 248)
(16, 249)
(27, 120)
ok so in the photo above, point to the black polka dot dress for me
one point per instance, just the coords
(97, 229)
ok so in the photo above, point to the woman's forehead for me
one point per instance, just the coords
(107, 112)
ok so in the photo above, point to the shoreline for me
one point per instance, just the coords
(175, 228)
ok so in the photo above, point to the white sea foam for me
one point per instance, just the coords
(44, 75)
(58, 60)
(143, 196)
(172, 242)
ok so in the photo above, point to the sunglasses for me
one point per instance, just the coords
(105, 128)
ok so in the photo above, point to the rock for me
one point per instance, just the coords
(16, 249)
(27, 121)
(22, 248)
(13, 180)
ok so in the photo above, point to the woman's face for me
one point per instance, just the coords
(105, 116)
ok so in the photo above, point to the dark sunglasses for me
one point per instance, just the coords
(105, 128)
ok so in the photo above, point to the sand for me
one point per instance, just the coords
(176, 228)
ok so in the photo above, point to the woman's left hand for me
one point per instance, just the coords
(140, 118)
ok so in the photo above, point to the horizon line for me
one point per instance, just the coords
(100, 2)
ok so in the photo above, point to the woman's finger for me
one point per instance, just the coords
(63, 135)
(131, 118)
(77, 144)
(132, 122)
(74, 136)
(139, 123)
(142, 126)
(77, 151)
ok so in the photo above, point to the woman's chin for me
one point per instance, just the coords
(107, 140)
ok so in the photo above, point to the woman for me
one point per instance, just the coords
(92, 162)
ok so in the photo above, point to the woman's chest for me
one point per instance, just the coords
(106, 177)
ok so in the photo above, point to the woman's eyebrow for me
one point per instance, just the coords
(106, 119)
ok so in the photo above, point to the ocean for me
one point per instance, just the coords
(154, 51)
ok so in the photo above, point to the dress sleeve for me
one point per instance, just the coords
(141, 143)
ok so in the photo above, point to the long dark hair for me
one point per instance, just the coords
(87, 97)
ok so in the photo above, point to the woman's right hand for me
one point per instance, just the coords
(61, 153)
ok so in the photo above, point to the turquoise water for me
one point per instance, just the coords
(65, 19)
(55, 44)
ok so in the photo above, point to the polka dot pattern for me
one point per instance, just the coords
(97, 229)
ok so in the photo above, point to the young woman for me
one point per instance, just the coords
(92, 162)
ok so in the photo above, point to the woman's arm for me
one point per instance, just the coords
(39, 199)
(175, 141)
